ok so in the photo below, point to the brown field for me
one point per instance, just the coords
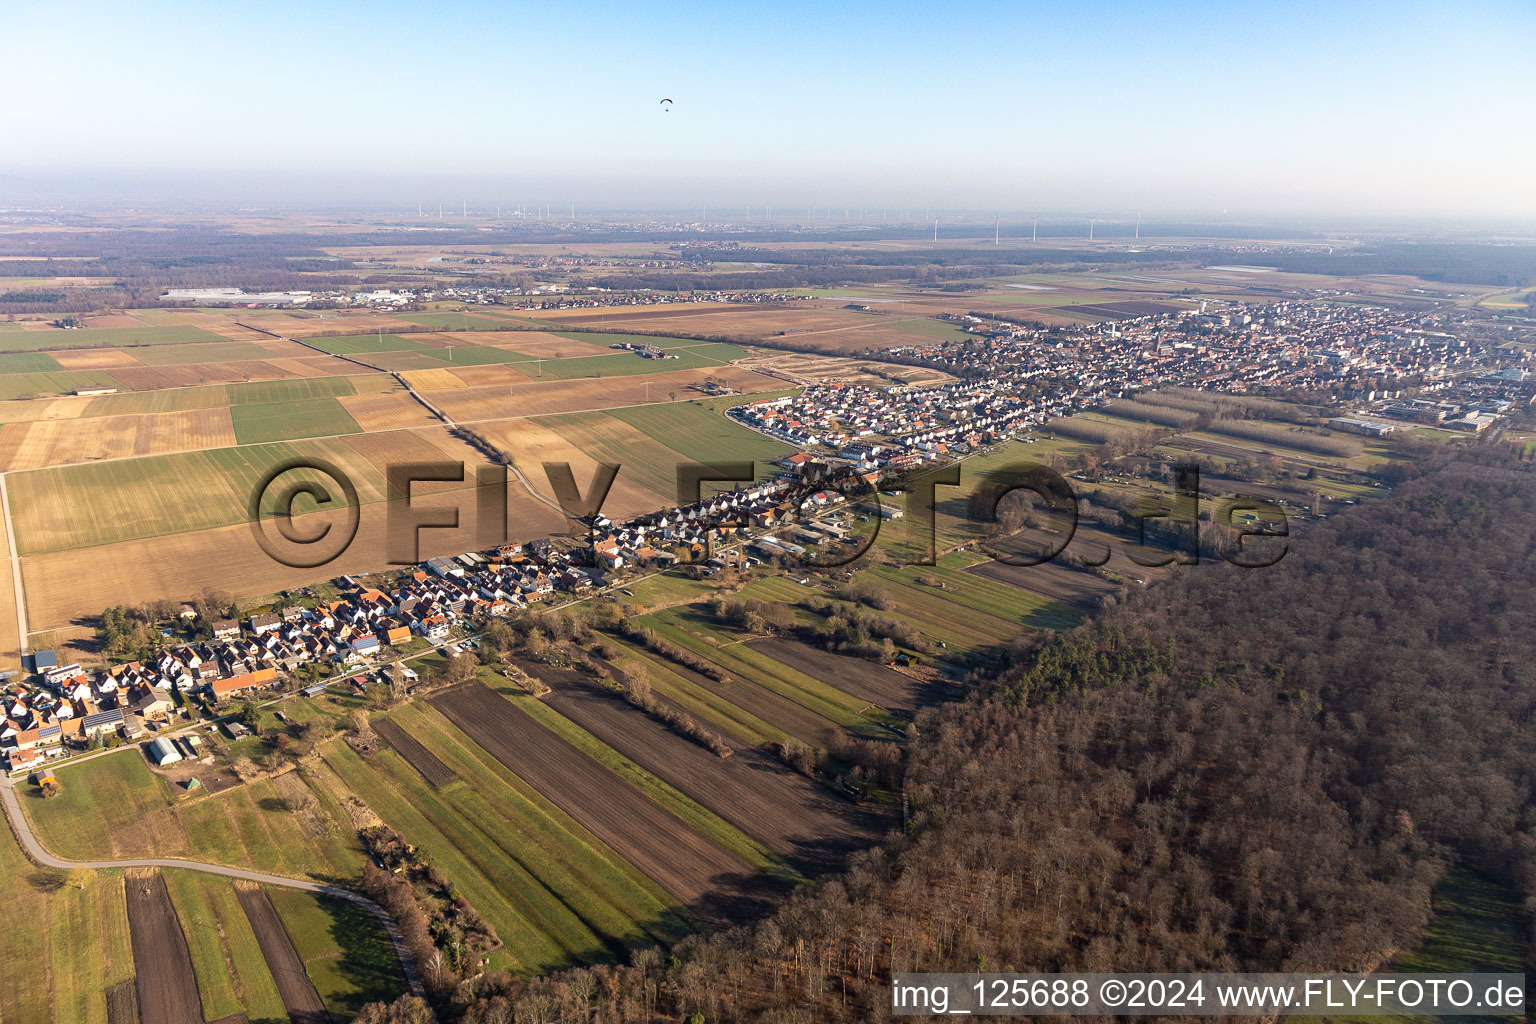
(43, 409)
(93, 359)
(782, 809)
(432, 380)
(123, 1004)
(313, 365)
(66, 588)
(712, 883)
(533, 442)
(58, 442)
(1069, 586)
(298, 993)
(417, 756)
(167, 988)
(424, 444)
(387, 412)
(492, 375)
(866, 680)
(538, 398)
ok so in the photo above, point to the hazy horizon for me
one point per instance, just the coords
(1190, 110)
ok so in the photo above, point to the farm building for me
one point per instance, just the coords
(164, 752)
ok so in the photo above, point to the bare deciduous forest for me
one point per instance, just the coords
(1237, 770)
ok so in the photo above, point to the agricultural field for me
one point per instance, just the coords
(166, 978)
(45, 337)
(800, 822)
(346, 954)
(555, 892)
(117, 807)
(227, 963)
(712, 882)
(75, 948)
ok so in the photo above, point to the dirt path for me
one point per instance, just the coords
(293, 985)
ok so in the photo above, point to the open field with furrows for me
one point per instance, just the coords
(40, 443)
(70, 586)
(166, 984)
(417, 756)
(345, 951)
(541, 397)
(655, 316)
(685, 690)
(74, 948)
(712, 883)
(227, 961)
(690, 627)
(799, 821)
(43, 337)
(902, 694)
(117, 807)
(198, 490)
(555, 893)
(646, 478)
(386, 412)
(527, 344)
(926, 609)
(644, 447)
(297, 993)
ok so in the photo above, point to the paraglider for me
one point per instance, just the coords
(666, 105)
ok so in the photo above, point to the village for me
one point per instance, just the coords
(1015, 376)
(68, 709)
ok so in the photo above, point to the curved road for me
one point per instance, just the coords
(36, 850)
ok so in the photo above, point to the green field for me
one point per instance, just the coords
(65, 946)
(267, 392)
(27, 362)
(163, 494)
(287, 421)
(345, 950)
(232, 976)
(938, 330)
(196, 352)
(554, 894)
(690, 627)
(61, 382)
(699, 433)
(114, 807)
(104, 337)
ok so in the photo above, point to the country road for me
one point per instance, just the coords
(37, 852)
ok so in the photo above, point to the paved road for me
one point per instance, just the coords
(36, 850)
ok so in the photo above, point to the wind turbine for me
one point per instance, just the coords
(1035, 228)
(1090, 228)
(997, 231)
(1138, 225)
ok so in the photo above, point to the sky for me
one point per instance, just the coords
(1208, 108)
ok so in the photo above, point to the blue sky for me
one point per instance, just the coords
(1172, 108)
